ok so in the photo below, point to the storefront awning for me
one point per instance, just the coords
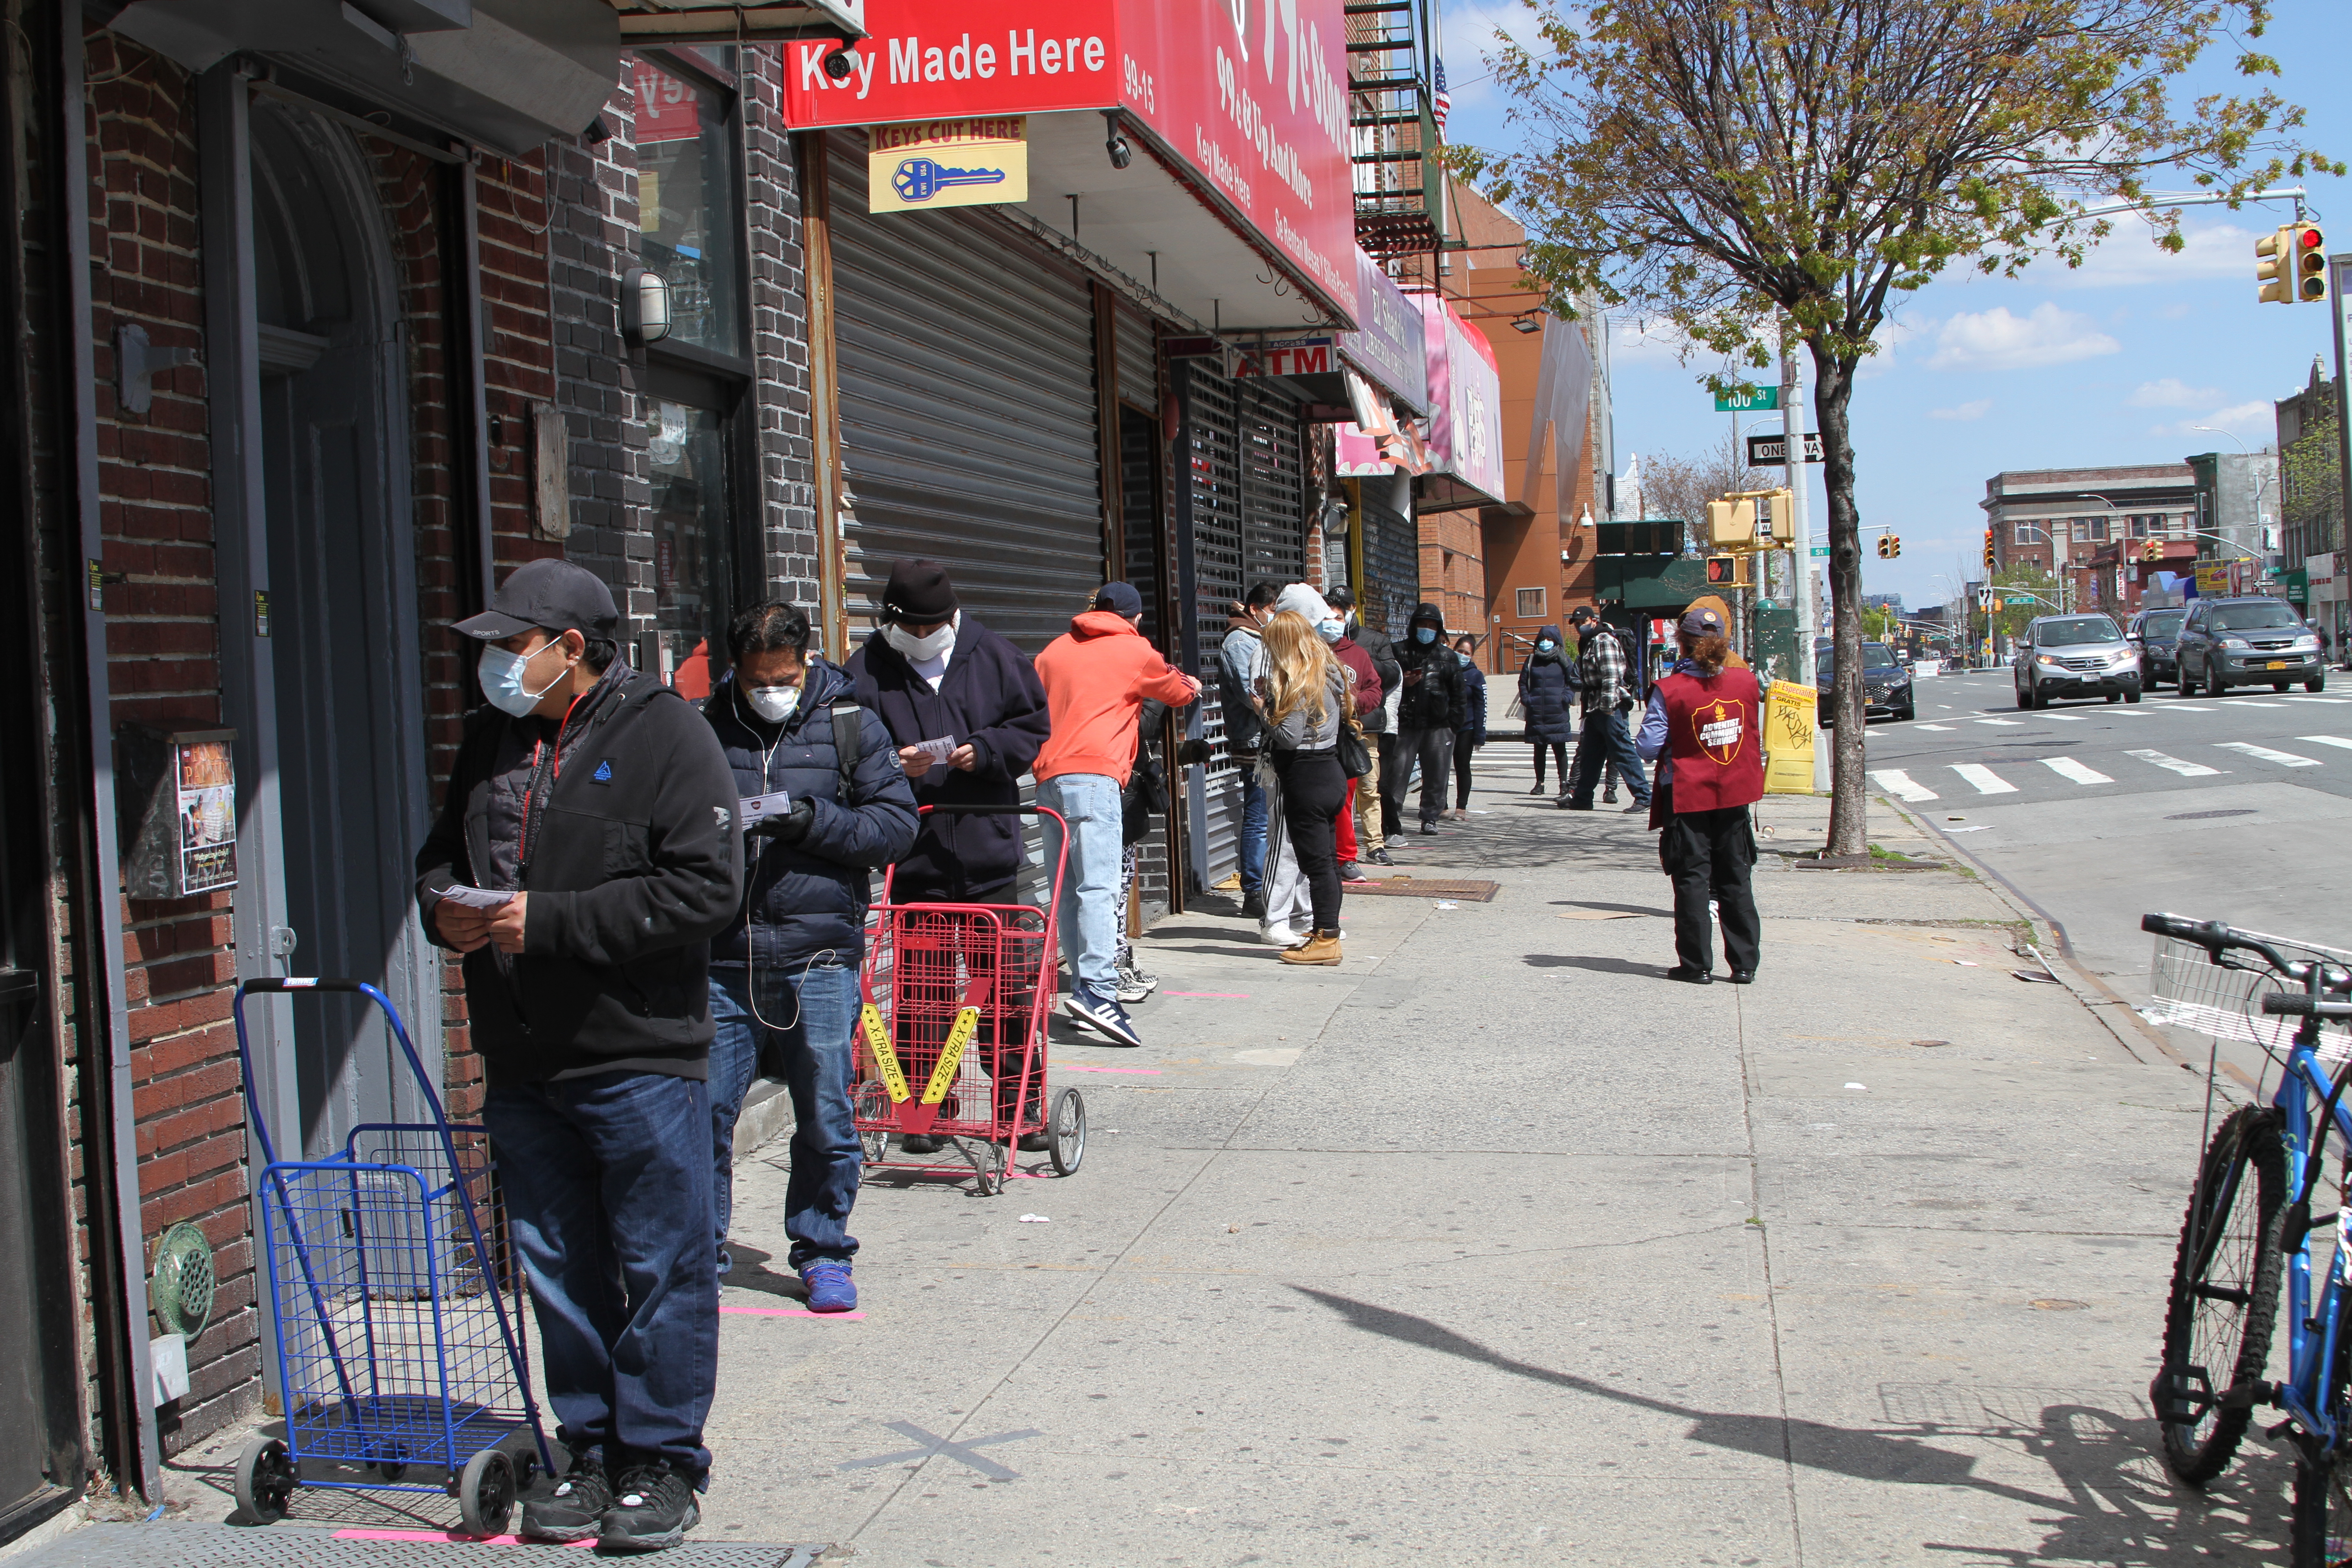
(727, 22)
(505, 74)
(1465, 421)
(1390, 348)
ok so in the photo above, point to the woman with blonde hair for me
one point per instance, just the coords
(1302, 692)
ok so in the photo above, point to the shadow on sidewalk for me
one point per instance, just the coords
(1598, 966)
(2119, 1506)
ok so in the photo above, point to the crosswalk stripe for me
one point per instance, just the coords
(2328, 740)
(2186, 770)
(1984, 780)
(2331, 701)
(2068, 768)
(2284, 759)
(1898, 784)
(1940, 729)
(2250, 702)
(2064, 717)
(2000, 721)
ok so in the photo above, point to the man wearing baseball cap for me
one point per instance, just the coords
(1096, 678)
(1707, 720)
(585, 853)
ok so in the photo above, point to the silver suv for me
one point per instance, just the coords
(2075, 656)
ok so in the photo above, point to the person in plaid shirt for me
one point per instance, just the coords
(1600, 664)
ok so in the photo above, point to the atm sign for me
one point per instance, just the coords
(1291, 356)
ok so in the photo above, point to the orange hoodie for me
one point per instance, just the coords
(1096, 680)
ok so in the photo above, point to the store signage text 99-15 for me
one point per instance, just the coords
(1251, 94)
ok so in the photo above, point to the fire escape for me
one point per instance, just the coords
(1400, 182)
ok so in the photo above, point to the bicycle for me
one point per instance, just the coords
(2249, 1226)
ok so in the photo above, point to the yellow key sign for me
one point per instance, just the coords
(877, 1040)
(967, 1024)
(1789, 715)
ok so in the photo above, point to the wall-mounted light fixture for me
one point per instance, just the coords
(1121, 154)
(1528, 321)
(645, 305)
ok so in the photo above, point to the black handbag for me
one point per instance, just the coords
(1355, 756)
(1145, 798)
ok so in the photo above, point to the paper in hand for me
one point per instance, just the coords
(757, 808)
(939, 751)
(477, 898)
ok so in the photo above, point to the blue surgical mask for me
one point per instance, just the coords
(502, 679)
(1425, 634)
(1545, 645)
(1330, 631)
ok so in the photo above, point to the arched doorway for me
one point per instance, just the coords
(335, 705)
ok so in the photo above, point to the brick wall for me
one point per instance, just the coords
(162, 658)
(780, 335)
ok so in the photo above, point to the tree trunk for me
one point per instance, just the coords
(1849, 806)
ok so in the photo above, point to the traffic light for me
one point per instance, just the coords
(2292, 265)
(1889, 546)
(1989, 560)
(1723, 572)
(2151, 550)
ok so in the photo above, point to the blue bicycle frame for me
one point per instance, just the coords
(2312, 1338)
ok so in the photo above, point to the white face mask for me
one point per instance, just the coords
(773, 704)
(1329, 631)
(938, 644)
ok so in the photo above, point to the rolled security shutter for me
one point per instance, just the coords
(1273, 483)
(967, 410)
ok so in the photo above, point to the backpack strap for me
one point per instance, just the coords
(848, 732)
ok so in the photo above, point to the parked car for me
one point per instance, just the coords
(2249, 641)
(1886, 683)
(2155, 632)
(2073, 656)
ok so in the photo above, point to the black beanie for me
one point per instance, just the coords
(920, 592)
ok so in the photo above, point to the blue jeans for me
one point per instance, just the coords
(1253, 829)
(1604, 739)
(1089, 913)
(608, 1195)
(818, 1004)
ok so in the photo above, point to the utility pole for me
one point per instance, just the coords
(2339, 294)
(1801, 547)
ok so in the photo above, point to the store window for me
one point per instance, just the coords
(689, 204)
(1531, 604)
(694, 535)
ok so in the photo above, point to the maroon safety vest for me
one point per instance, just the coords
(1715, 732)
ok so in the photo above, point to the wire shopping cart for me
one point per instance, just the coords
(952, 1030)
(396, 1306)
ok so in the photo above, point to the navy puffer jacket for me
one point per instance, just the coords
(1547, 687)
(807, 897)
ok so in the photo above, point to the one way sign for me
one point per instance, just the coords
(1772, 451)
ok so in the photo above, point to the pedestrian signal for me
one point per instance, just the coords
(1731, 522)
(1723, 572)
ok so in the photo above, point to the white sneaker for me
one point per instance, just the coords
(1281, 935)
(1134, 986)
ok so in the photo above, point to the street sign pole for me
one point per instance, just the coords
(1801, 554)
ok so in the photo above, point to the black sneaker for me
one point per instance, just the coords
(1380, 858)
(653, 1508)
(1254, 906)
(570, 1507)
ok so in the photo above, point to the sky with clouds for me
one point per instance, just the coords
(2118, 362)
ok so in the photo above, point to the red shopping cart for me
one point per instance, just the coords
(952, 1031)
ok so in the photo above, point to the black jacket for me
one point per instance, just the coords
(1547, 686)
(636, 863)
(810, 895)
(989, 697)
(1382, 653)
(1440, 700)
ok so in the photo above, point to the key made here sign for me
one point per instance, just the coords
(967, 162)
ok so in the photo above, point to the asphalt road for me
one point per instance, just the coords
(2099, 812)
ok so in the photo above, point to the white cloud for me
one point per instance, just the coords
(1995, 340)
(1974, 410)
(2171, 393)
(1894, 334)
(1632, 342)
(2247, 419)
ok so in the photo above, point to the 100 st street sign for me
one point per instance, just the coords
(1749, 401)
(1772, 451)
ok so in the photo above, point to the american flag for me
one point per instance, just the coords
(1439, 103)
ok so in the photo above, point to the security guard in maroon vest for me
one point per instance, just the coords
(1708, 722)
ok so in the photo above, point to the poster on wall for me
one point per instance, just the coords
(205, 781)
(968, 162)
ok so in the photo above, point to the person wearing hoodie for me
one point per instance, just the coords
(1237, 658)
(1289, 895)
(785, 975)
(1370, 831)
(1365, 692)
(1473, 734)
(1437, 703)
(1548, 704)
(1098, 677)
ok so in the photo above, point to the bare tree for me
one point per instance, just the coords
(1681, 487)
(1739, 167)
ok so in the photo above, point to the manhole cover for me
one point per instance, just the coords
(2202, 815)
(1429, 888)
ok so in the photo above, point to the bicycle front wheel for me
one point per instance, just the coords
(2321, 1533)
(2224, 1300)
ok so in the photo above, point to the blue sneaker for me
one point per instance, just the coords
(1103, 1015)
(829, 1287)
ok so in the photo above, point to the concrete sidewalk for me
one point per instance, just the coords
(1491, 1245)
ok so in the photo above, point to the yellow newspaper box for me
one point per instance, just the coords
(1790, 711)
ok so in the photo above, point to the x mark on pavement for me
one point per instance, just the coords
(960, 1452)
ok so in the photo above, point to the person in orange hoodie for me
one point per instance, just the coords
(1096, 680)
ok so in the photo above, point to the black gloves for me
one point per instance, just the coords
(789, 827)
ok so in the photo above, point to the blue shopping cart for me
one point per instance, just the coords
(396, 1308)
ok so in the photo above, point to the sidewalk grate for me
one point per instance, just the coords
(1428, 888)
(185, 1545)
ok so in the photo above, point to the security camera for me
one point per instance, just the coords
(838, 65)
(1121, 154)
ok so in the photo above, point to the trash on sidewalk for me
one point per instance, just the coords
(1037, 1219)
(1861, 1085)
(2035, 975)
(1447, 904)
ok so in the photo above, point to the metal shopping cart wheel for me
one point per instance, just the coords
(265, 1480)
(1068, 1131)
(487, 1491)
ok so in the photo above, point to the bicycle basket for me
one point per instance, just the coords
(2190, 993)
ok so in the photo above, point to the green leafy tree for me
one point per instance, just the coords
(1760, 173)
(1880, 623)
(2025, 591)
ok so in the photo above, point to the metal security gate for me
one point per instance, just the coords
(1392, 568)
(1247, 491)
(968, 411)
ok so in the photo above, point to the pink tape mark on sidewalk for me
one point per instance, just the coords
(1137, 1072)
(783, 1312)
(453, 1538)
(1211, 996)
